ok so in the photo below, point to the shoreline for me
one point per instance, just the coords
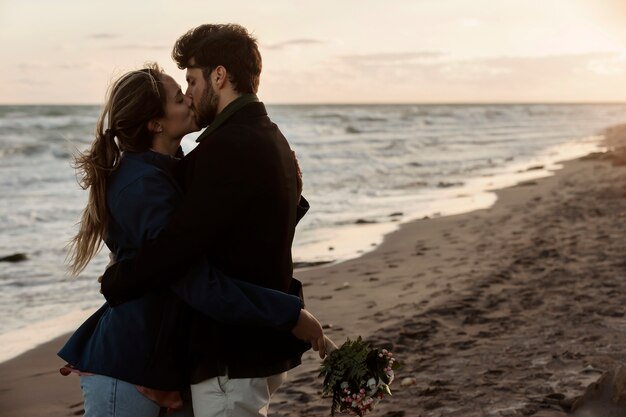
(418, 267)
(476, 193)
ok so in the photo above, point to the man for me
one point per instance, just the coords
(240, 211)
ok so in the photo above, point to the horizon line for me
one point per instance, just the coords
(390, 103)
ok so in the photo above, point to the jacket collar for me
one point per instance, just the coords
(240, 107)
(164, 162)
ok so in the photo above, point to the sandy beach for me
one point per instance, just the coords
(510, 311)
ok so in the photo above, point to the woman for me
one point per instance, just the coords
(131, 358)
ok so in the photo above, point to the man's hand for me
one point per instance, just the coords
(117, 288)
(330, 345)
(310, 330)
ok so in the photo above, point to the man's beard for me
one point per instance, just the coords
(207, 110)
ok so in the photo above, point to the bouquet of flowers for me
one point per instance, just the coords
(357, 377)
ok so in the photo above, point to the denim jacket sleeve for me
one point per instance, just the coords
(142, 210)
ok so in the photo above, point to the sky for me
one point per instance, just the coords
(339, 51)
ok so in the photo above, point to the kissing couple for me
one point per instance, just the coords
(203, 316)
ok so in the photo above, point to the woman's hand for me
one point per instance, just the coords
(310, 330)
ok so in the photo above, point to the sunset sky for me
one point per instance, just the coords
(341, 51)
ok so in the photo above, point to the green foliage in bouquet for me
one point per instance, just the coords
(357, 376)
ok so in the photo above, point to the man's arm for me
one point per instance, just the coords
(201, 215)
(142, 208)
(233, 301)
(118, 286)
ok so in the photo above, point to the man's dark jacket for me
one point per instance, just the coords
(239, 210)
(145, 341)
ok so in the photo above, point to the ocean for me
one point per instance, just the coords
(367, 169)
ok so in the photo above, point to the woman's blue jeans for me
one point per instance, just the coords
(109, 397)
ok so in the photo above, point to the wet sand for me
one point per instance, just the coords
(511, 311)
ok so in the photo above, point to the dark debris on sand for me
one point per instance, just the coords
(16, 257)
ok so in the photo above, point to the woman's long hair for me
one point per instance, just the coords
(132, 101)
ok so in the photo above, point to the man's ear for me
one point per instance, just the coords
(219, 77)
(154, 126)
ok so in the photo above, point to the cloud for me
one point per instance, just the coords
(469, 22)
(607, 65)
(391, 58)
(140, 47)
(29, 66)
(25, 66)
(591, 63)
(440, 66)
(293, 42)
(415, 77)
(31, 82)
(473, 70)
(102, 35)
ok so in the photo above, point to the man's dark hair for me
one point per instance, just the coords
(230, 46)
